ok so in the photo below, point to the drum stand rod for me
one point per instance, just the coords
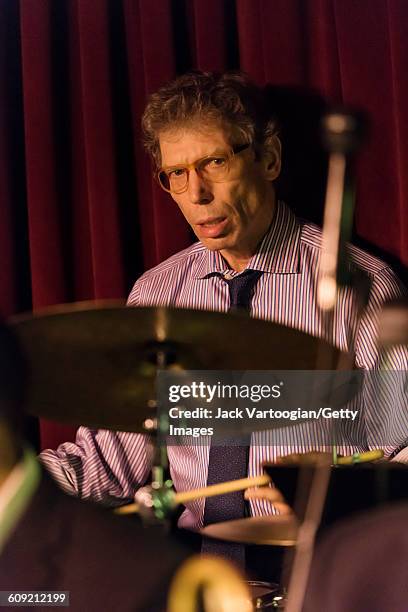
(162, 354)
(342, 133)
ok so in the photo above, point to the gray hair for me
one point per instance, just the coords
(208, 98)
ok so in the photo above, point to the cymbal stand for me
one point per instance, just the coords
(156, 501)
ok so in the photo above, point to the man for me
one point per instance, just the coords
(217, 153)
(52, 542)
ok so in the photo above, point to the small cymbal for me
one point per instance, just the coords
(96, 366)
(276, 530)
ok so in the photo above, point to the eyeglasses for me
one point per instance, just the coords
(215, 168)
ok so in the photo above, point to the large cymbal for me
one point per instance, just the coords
(278, 530)
(93, 365)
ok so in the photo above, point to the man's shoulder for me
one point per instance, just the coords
(311, 239)
(166, 274)
(180, 260)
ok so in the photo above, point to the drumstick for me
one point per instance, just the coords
(372, 455)
(211, 491)
(222, 488)
(128, 509)
(246, 483)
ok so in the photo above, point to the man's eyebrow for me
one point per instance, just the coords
(215, 153)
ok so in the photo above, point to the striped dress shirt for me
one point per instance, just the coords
(110, 466)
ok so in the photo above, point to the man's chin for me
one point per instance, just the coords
(214, 244)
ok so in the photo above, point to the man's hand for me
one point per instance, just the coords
(310, 458)
(272, 494)
(269, 494)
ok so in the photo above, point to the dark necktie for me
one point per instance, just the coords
(227, 462)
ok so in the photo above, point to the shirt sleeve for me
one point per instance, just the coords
(134, 295)
(101, 465)
(385, 401)
(385, 287)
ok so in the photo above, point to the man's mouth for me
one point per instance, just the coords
(210, 221)
(212, 227)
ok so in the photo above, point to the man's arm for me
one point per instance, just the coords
(102, 465)
(385, 287)
(385, 392)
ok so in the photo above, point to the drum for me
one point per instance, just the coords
(352, 489)
(267, 595)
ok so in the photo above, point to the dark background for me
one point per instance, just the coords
(80, 214)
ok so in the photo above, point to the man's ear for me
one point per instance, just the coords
(271, 159)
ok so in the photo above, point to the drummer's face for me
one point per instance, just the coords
(230, 216)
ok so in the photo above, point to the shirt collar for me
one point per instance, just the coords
(278, 251)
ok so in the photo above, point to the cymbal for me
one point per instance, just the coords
(95, 365)
(276, 530)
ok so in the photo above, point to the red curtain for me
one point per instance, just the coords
(80, 214)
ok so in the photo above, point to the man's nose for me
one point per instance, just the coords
(199, 190)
